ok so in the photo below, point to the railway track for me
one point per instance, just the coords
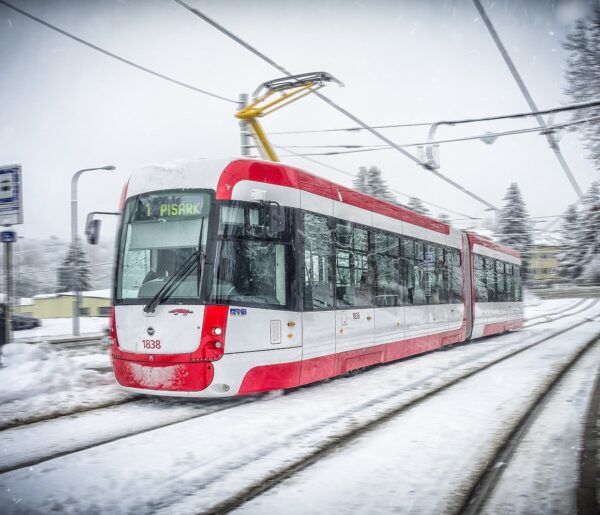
(361, 426)
(484, 483)
(552, 317)
(21, 460)
(51, 415)
(78, 417)
(562, 310)
(363, 417)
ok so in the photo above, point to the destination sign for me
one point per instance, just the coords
(171, 206)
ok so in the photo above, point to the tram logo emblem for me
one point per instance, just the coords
(181, 311)
(237, 311)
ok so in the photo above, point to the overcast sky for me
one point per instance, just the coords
(64, 106)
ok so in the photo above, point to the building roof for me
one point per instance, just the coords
(96, 294)
(23, 301)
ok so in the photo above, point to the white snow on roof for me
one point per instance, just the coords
(550, 239)
(23, 301)
(97, 294)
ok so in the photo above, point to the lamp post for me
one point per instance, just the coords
(74, 243)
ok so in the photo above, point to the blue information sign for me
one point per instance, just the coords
(8, 236)
(11, 195)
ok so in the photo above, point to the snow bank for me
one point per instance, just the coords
(33, 369)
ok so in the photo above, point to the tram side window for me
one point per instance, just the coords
(510, 282)
(389, 289)
(430, 278)
(518, 291)
(416, 273)
(500, 283)
(490, 281)
(439, 276)
(456, 288)
(318, 262)
(353, 274)
(481, 292)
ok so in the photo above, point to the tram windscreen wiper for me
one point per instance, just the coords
(179, 274)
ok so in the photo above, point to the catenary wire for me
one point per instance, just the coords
(338, 108)
(370, 148)
(115, 56)
(525, 92)
(570, 107)
(344, 172)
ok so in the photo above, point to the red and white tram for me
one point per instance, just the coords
(242, 276)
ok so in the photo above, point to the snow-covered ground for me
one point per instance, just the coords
(201, 451)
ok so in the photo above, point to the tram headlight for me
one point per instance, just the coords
(217, 331)
(217, 345)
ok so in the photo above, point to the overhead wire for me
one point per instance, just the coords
(525, 92)
(570, 107)
(338, 108)
(115, 56)
(369, 148)
(344, 172)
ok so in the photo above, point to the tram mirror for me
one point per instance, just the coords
(274, 217)
(92, 231)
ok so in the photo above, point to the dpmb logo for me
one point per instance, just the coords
(181, 311)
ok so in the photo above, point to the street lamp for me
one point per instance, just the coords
(74, 238)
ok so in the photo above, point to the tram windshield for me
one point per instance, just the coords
(160, 233)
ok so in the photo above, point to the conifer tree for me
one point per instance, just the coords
(443, 217)
(360, 181)
(416, 204)
(583, 76)
(371, 182)
(514, 226)
(74, 273)
(569, 263)
(588, 237)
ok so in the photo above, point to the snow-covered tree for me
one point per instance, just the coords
(370, 181)
(416, 204)
(588, 237)
(569, 262)
(74, 273)
(514, 225)
(360, 181)
(583, 76)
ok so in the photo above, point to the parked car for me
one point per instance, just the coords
(21, 321)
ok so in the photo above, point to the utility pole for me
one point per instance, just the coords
(11, 213)
(244, 134)
(8, 239)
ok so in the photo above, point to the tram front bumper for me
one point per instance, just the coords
(163, 377)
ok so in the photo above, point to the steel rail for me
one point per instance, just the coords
(218, 407)
(333, 443)
(484, 484)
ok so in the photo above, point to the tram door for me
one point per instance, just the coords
(318, 315)
(355, 315)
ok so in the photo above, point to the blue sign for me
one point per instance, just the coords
(8, 236)
(11, 195)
